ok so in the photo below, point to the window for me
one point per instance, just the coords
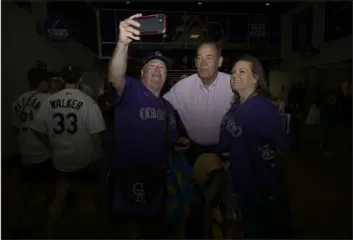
(338, 22)
(302, 25)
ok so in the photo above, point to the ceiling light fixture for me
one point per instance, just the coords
(199, 3)
(194, 36)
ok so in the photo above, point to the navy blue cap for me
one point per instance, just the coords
(160, 56)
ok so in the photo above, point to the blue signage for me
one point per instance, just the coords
(57, 28)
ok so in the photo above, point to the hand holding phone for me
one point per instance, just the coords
(128, 29)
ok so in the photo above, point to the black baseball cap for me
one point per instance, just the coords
(71, 74)
(160, 56)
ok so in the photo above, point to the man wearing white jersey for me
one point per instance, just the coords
(24, 110)
(56, 84)
(71, 123)
(35, 165)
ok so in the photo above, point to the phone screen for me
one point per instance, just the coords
(152, 24)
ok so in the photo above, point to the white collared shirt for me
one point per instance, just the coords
(201, 108)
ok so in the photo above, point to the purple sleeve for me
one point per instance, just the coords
(269, 125)
(130, 85)
(174, 131)
(225, 138)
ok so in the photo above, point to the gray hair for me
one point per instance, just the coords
(215, 44)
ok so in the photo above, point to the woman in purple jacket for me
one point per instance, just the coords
(253, 134)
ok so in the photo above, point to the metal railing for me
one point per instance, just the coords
(180, 24)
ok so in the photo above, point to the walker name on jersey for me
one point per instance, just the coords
(33, 103)
(66, 103)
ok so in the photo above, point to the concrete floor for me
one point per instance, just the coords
(320, 190)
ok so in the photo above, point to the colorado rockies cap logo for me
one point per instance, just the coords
(70, 67)
(158, 54)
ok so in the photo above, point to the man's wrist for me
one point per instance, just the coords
(122, 45)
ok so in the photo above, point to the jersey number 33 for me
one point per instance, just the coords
(66, 123)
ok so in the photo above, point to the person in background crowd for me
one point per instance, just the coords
(283, 94)
(201, 101)
(105, 106)
(56, 82)
(70, 123)
(183, 76)
(35, 156)
(279, 104)
(252, 133)
(298, 110)
(145, 131)
(347, 106)
(328, 119)
(340, 99)
(175, 81)
(172, 82)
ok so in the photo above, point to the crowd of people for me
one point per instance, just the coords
(323, 108)
(59, 128)
(152, 149)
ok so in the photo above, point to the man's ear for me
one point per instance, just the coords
(220, 61)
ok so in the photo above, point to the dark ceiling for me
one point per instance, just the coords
(193, 6)
(83, 18)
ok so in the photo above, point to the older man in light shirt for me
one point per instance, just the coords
(202, 100)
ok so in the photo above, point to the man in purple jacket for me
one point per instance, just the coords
(141, 139)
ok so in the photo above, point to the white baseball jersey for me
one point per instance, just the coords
(24, 110)
(86, 89)
(70, 117)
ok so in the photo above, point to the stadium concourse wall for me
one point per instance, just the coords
(24, 45)
(299, 67)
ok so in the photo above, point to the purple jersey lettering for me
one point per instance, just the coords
(139, 125)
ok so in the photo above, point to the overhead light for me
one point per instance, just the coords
(194, 36)
(127, 2)
(267, 4)
(199, 3)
